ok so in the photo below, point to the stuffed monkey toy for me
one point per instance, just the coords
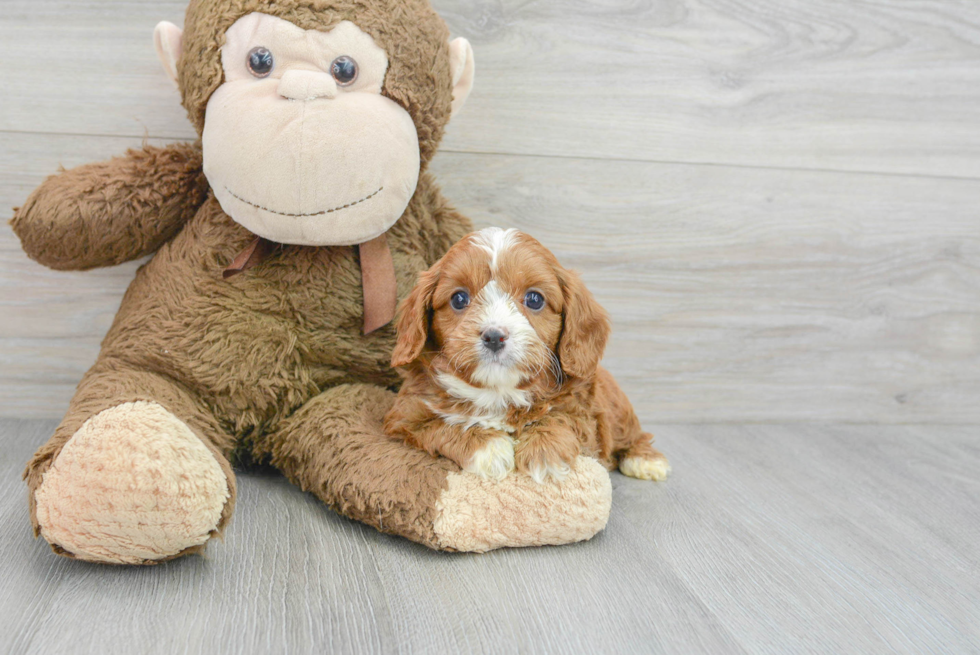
(260, 330)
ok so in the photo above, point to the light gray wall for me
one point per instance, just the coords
(778, 201)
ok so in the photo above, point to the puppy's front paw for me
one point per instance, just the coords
(644, 468)
(544, 458)
(494, 461)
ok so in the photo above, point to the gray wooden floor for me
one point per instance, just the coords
(767, 539)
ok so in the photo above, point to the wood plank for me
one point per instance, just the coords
(754, 295)
(737, 294)
(823, 538)
(815, 84)
(89, 68)
(844, 539)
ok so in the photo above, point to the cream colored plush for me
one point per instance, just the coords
(134, 484)
(352, 181)
(464, 68)
(339, 164)
(474, 514)
(168, 43)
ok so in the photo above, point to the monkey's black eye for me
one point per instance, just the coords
(344, 70)
(460, 300)
(260, 62)
(533, 300)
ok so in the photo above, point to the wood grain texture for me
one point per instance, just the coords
(752, 291)
(737, 294)
(862, 85)
(767, 539)
(761, 295)
(700, 162)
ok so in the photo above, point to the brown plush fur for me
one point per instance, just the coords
(270, 364)
(573, 406)
(233, 358)
(110, 212)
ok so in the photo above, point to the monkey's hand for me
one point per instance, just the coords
(110, 212)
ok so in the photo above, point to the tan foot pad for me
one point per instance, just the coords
(134, 484)
(477, 515)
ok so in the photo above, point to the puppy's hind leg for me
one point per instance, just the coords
(621, 435)
(645, 462)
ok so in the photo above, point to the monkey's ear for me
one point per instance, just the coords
(168, 39)
(462, 66)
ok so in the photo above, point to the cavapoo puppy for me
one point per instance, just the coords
(500, 347)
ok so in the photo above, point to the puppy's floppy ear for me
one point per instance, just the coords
(585, 328)
(413, 319)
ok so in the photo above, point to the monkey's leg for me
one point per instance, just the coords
(334, 447)
(135, 473)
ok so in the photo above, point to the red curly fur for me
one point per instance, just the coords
(551, 397)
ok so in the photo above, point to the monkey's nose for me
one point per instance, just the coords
(494, 339)
(307, 85)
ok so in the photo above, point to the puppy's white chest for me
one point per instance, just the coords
(496, 422)
(490, 400)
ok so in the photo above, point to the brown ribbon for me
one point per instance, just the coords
(378, 283)
(377, 276)
(254, 253)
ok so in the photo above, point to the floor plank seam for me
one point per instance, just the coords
(620, 160)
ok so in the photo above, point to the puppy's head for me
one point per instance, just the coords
(499, 310)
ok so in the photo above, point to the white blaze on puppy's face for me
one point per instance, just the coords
(300, 146)
(495, 241)
(496, 310)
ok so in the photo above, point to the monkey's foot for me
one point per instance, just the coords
(133, 485)
(644, 468)
(477, 515)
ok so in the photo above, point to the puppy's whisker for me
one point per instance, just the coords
(555, 369)
(453, 361)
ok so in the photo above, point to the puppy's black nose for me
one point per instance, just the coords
(494, 339)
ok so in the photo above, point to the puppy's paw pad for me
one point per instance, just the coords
(646, 469)
(494, 461)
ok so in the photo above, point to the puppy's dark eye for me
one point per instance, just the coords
(260, 62)
(344, 70)
(533, 300)
(460, 300)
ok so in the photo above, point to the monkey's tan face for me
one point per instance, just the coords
(300, 146)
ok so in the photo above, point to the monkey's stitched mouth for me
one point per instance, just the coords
(320, 213)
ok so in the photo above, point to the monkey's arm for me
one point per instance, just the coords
(110, 212)
(335, 447)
